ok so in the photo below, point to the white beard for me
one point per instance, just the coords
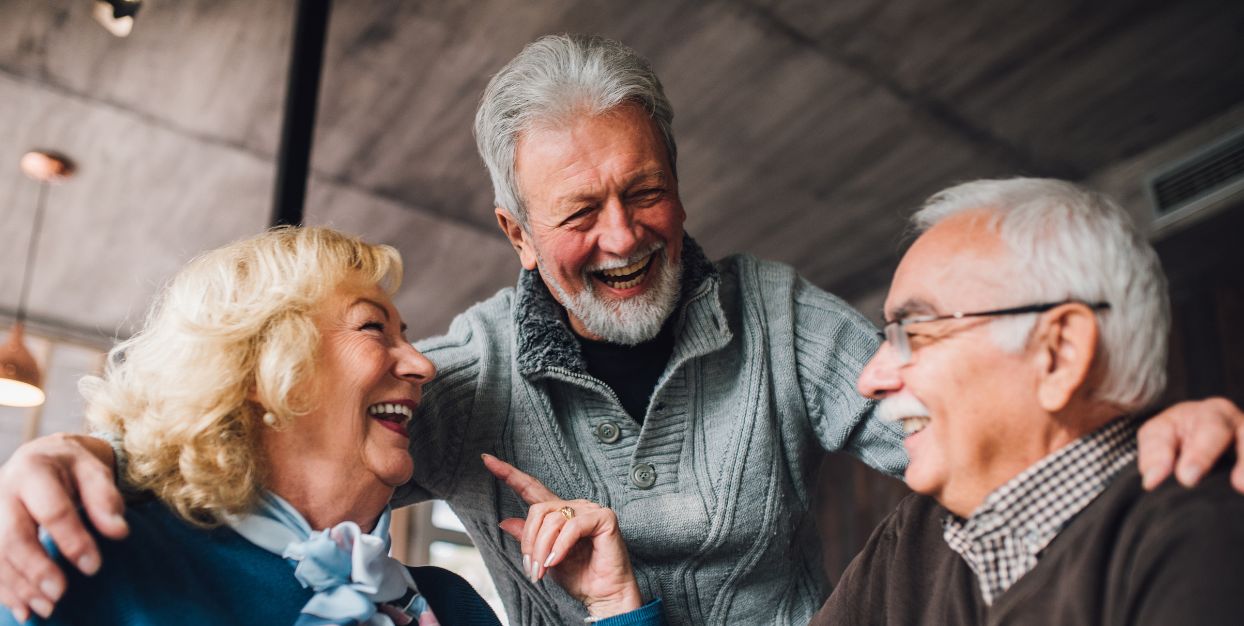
(628, 321)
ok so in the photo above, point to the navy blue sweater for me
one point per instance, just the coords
(168, 572)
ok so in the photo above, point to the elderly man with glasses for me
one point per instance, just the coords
(1026, 325)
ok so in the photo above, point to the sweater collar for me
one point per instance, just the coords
(544, 338)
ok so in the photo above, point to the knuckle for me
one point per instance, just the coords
(1220, 404)
(55, 512)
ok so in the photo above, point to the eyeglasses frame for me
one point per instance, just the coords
(895, 332)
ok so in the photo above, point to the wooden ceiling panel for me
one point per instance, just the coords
(213, 68)
(400, 89)
(1066, 87)
(143, 202)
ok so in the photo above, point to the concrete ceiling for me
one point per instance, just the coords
(807, 130)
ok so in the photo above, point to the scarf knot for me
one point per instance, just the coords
(350, 571)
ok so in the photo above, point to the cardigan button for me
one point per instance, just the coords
(608, 432)
(643, 475)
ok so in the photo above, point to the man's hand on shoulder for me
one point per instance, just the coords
(38, 488)
(1189, 438)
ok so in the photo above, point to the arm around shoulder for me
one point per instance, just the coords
(833, 342)
(37, 489)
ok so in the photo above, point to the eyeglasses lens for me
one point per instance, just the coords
(897, 336)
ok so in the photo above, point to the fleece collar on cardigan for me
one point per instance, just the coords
(544, 335)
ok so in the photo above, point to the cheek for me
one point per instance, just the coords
(667, 220)
(568, 254)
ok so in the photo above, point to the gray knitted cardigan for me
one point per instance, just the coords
(712, 492)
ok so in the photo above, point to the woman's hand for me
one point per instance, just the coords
(38, 487)
(576, 541)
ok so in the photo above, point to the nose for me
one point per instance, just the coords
(620, 232)
(881, 375)
(412, 366)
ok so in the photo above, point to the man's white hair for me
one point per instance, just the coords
(556, 78)
(1068, 243)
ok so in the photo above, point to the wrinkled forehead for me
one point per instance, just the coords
(959, 264)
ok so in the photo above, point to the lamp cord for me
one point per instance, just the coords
(31, 250)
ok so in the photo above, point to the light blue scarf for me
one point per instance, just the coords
(349, 570)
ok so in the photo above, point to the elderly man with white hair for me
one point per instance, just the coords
(1025, 326)
(694, 397)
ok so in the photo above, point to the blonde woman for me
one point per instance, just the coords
(263, 410)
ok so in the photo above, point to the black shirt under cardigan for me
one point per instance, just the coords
(1173, 556)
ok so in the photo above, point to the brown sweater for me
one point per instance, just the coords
(1173, 556)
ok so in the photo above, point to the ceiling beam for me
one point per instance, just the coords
(302, 91)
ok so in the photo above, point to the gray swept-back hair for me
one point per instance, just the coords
(554, 78)
(1068, 243)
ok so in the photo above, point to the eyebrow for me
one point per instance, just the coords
(656, 175)
(373, 303)
(384, 311)
(910, 307)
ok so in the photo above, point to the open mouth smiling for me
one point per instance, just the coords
(393, 415)
(913, 425)
(627, 276)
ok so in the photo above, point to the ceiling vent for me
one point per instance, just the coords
(1192, 187)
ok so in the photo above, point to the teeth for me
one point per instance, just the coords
(629, 269)
(628, 284)
(913, 425)
(391, 409)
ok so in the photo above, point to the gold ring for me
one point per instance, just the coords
(567, 511)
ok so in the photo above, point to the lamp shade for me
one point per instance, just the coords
(20, 379)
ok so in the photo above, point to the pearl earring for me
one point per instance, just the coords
(269, 418)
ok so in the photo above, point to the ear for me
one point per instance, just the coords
(517, 234)
(1066, 343)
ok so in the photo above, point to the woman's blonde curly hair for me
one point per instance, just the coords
(230, 337)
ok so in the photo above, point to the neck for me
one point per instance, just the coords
(1048, 434)
(327, 498)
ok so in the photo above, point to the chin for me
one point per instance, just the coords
(392, 470)
(921, 482)
(397, 477)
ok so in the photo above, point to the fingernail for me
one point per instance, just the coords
(527, 565)
(41, 606)
(486, 456)
(51, 589)
(1188, 474)
(89, 564)
(21, 614)
(1150, 479)
(118, 520)
(549, 561)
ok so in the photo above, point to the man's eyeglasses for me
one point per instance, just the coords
(896, 331)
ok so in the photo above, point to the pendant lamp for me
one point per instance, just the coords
(20, 378)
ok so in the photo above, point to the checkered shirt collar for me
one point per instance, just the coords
(1004, 537)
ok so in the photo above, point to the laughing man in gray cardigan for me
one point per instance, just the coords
(693, 397)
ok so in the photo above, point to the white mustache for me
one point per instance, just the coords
(894, 408)
(634, 258)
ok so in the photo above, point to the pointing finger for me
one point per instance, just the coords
(529, 489)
